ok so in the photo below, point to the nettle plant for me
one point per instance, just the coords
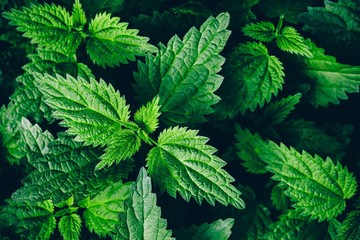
(93, 169)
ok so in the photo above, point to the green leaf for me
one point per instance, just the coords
(325, 141)
(57, 175)
(142, 219)
(338, 21)
(111, 43)
(350, 228)
(261, 31)
(183, 162)
(122, 145)
(248, 146)
(93, 111)
(317, 187)
(46, 25)
(289, 9)
(291, 41)
(78, 15)
(330, 81)
(218, 230)
(279, 199)
(36, 140)
(252, 77)
(276, 112)
(147, 117)
(101, 214)
(70, 227)
(184, 73)
(31, 221)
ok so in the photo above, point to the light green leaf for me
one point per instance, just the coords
(142, 219)
(147, 117)
(57, 175)
(276, 112)
(36, 140)
(70, 226)
(317, 187)
(291, 41)
(183, 162)
(252, 77)
(101, 214)
(350, 228)
(184, 73)
(111, 43)
(261, 31)
(330, 81)
(218, 230)
(78, 15)
(248, 146)
(121, 146)
(93, 111)
(46, 25)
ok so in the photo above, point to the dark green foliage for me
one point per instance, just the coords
(231, 124)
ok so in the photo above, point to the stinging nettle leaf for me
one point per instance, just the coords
(93, 111)
(350, 228)
(183, 162)
(318, 187)
(147, 117)
(46, 25)
(252, 77)
(330, 81)
(121, 146)
(289, 40)
(102, 212)
(78, 15)
(70, 226)
(111, 43)
(218, 230)
(184, 73)
(261, 31)
(142, 217)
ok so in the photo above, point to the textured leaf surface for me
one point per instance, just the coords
(276, 112)
(111, 43)
(218, 230)
(261, 31)
(70, 226)
(33, 221)
(45, 25)
(318, 187)
(57, 175)
(184, 73)
(291, 41)
(147, 117)
(101, 214)
(337, 20)
(93, 111)
(248, 146)
(122, 145)
(183, 162)
(350, 228)
(252, 77)
(78, 15)
(142, 219)
(330, 81)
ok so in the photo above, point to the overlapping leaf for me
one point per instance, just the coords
(261, 31)
(45, 25)
(142, 217)
(101, 214)
(184, 73)
(70, 226)
(290, 40)
(111, 43)
(183, 162)
(252, 77)
(350, 228)
(218, 230)
(330, 81)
